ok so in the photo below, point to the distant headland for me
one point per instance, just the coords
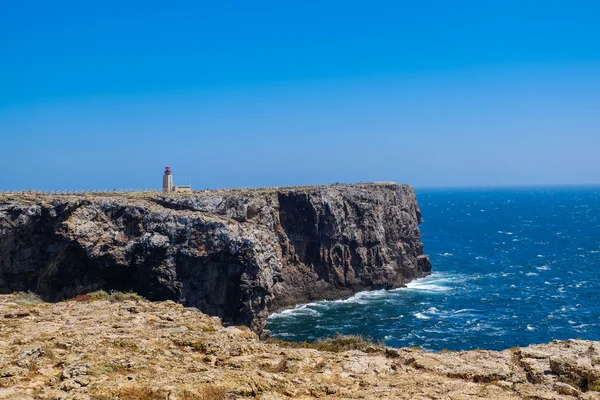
(237, 254)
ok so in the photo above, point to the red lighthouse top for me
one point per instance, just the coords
(167, 170)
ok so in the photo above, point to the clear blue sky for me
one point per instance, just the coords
(104, 94)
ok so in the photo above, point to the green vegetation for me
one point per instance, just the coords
(336, 344)
(27, 298)
(113, 296)
(208, 328)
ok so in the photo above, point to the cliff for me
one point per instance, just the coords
(232, 254)
(103, 347)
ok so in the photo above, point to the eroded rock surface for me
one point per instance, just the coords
(142, 350)
(232, 254)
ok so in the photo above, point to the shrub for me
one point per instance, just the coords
(208, 328)
(93, 296)
(195, 345)
(124, 296)
(211, 392)
(114, 296)
(27, 298)
(336, 344)
(141, 393)
(85, 298)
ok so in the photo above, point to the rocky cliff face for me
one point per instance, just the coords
(233, 254)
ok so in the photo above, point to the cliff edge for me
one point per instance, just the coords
(102, 347)
(235, 254)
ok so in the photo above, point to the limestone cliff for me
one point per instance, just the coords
(232, 254)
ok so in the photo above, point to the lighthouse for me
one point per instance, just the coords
(168, 186)
(167, 180)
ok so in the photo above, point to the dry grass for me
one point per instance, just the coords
(195, 345)
(125, 344)
(124, 296)
(336, 344)
(208, 328)
(93, 296)
(27, 298)
(141, 393)
(114, 296)
(208, 392)
(282, 366)
(108, 368)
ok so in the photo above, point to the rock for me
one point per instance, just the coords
(69, 385)
(73, 371)
(10, 371)
(576, 373)
(233, 254)
(107, 352)
(563, 388)
(569, 362)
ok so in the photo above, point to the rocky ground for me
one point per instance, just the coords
(122, 347)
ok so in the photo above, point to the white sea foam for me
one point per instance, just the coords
(421, 316)
(429, 284)
(303, 309)
(360, 297)
(530, 328)
(543, 268)
(581, 326)
(464, 310)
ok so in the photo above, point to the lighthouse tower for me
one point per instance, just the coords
(167, 180)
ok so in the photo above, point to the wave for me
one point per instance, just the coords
(303, 309)
(312, 309)
(437, 282)
(434, 283)
(360, 297)
(427, 287)
(421, 316)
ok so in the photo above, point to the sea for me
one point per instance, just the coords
(511, 267)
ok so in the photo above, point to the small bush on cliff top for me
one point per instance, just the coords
(336, 344)
(27, 298)
(114, 296)
(123, 296)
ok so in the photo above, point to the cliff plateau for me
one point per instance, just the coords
(120, 347)
(233, 254)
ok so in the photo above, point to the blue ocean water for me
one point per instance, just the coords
(511, 267)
